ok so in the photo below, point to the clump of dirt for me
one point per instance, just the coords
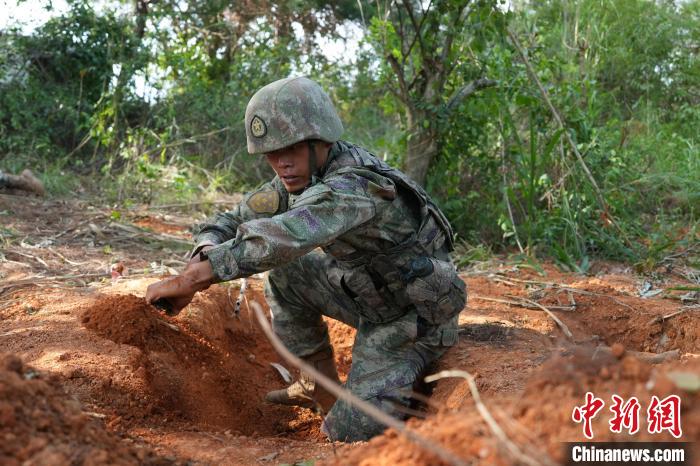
(196, 368)
(41, 424)
(540, 419)
(126, 319)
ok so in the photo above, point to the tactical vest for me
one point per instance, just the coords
(427, 208)
(417, 273)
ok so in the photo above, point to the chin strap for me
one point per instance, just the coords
(313, 167)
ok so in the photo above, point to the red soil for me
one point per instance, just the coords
(113, 381)
(539, 421)
(40, 424)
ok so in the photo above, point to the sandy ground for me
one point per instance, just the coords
(93, 375)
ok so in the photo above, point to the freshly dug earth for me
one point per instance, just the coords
(42, 425)
(121, 383)
(539, 421)
(200, 367)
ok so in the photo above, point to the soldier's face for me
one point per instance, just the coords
(292, 165)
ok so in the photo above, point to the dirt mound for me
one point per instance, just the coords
(40, 424)
(126, 319)
(202, 367)
(541, 418)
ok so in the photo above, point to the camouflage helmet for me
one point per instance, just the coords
(289, 111)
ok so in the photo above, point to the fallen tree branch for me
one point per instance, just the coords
(68, 261)
(500, 435)
(565, 288)
(188, 204)
(56, 278)
(520, 304)
(556, 319)
(156, 236)
(28, 256)
(659, 319)
(343, 394)
(651, 358)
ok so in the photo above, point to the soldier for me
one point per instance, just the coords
(26, 181)
(384, 267)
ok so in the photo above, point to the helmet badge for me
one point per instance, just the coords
(258, 127)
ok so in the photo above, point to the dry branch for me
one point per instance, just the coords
(651, 358)
(517, 303)
(501, 436)
(565, 288)
(156, 236)
(682, 310)
(469, 89)
(351, 399)
(28, 256)
(189, 204)
(556, 319)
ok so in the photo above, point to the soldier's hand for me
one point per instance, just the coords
(178, 291)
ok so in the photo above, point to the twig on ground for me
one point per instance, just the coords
(156, 236)
(566, 288)
(28, 256)
(517, 303)
(556, 319)
(349, 398)
(682, 310)
(503, 280)
(188, 204)
(68, 261)
(517, 427)
(651, 358)
(169, 325)
(500, 435)
(29, 281)
(22, 264)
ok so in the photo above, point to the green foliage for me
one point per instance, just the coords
(51, 81)
(150, 104)
(506, 172)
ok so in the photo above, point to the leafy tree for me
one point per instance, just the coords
(52, 80)
(423, 48)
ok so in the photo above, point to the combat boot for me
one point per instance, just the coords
(305, 392)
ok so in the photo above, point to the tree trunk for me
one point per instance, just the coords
(421, 147)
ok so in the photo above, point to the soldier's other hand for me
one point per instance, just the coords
(179, 291)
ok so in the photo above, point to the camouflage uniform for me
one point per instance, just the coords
(384, 269)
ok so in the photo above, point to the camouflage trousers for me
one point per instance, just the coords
(387, 359)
